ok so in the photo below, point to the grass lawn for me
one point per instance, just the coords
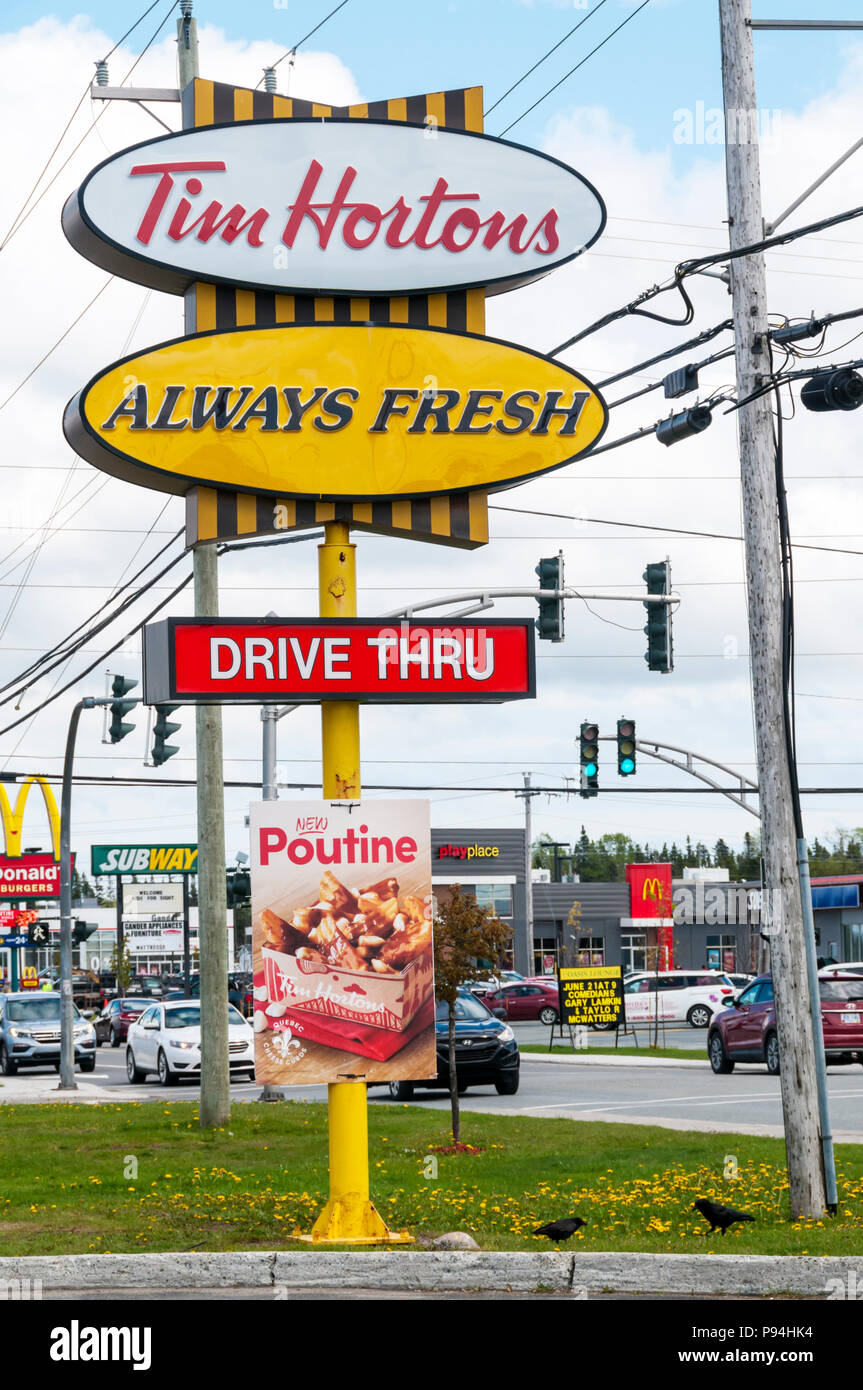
(687, 1054)
(144, 1177)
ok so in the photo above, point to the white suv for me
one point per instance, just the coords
(693, 996)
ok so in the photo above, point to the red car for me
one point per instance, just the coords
(530, 999)
(746, 1031)
(112, 1025)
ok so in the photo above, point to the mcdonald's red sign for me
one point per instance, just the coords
(649, 890)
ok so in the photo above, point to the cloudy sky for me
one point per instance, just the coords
(635, 120)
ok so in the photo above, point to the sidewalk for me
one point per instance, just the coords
(577, 1274)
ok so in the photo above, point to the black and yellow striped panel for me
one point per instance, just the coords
(220, 514)
(460, 520)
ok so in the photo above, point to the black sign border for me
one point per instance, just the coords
(160, 675)
(85, 237)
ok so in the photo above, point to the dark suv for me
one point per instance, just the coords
(486, 1052)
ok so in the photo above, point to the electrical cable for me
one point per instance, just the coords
(87, 669)
(90, 633)
(20, 223)
(292, 51)
(539, 63)
(649, 525)
(692, 267)
(41, 669)
(64, 334)
(581, 64)
(704, 337)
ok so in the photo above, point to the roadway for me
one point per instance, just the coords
(630, 1090)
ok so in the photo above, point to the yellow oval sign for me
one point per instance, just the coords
(354, 412)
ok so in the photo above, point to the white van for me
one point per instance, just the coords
(691, 996)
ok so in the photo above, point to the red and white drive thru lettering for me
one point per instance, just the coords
(245, 659)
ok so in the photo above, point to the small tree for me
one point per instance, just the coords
(465, 934)
(121, 966)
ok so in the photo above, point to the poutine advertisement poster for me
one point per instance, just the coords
(342, 941)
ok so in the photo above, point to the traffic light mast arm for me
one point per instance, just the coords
(483, 599)
(687, 764)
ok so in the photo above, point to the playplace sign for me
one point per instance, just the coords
(332, 206)
(334, 412)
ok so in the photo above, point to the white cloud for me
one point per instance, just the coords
(655, 218)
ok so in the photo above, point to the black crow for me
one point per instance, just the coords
(560, 1230)
(723, 1217)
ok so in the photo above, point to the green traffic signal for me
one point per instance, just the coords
(589, 759)
(625, 747)
(118, 729)
(549, 624)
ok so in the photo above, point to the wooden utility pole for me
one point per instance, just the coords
(761, 534)
(212, 893)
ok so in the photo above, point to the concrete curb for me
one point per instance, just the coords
(580, 1274)
(585, 1059)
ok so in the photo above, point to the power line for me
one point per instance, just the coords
(289, 53)
(670, 530)
(691, 267)
(64, 334)
(581, 64)
(23, 218)
(539, 63)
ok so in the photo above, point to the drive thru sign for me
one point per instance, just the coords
(261, 659)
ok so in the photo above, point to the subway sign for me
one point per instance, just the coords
(332, 206)
(357, 412)
(144, 859)
(233, 660)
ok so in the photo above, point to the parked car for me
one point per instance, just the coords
(531, 999)
(112, 1025)
(739, 980)
(851, 967)
(746, 1032)
(237, 992)
(691, 996)
(486, 1052)
(166, 1039)
(148, 986)
(30, 1032)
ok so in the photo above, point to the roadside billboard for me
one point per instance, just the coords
(342, 941)
(591, 995)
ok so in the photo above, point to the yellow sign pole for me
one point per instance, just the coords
(349, 1217)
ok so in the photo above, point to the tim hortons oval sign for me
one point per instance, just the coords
(331, 412)
(332, 206)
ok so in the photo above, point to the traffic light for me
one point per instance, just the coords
(549, 624)
(82, 930)
(625, 747)
(837, 389)
(238, 885)
(589, 750)
(660, 649)
(38, 933)
(162, 730)
(117, 729)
